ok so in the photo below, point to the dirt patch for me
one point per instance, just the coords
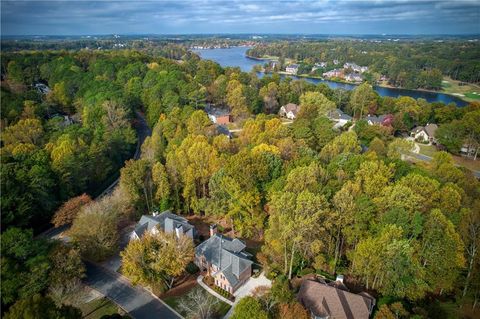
(182, 287)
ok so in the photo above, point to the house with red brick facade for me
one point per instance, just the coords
(225, 260)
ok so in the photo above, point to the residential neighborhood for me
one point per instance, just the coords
(240, 160)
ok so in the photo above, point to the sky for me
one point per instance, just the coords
(82, 17)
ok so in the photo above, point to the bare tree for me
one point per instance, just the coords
(198, 304)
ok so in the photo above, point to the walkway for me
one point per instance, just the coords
(213, 292)
(138, 302)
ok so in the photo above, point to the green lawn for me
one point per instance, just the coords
(221, 307)
(427, 150)
(99, 307)
(473, 95)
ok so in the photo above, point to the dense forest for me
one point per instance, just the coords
(320, 200)
(415, 64)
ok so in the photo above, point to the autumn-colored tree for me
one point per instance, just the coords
(269, 94)
(363, 100)
(69, 210)
(292, 311)
(162, 185)
(441, 252)
(236, 99)
(94, 231)
(345, 143)
(156, 260)
(314, 104)
(389, 264)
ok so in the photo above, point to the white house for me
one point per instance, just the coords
(335, 73)
(167, 222)
(354, 77)
(289, 111)
(292, 69)
(425, 133)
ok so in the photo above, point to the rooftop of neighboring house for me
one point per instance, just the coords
(214, 111)
(338, 114)
(375, 119)
(334, 300)
(227, 254)
(292, 107)
(221, 129)
(430, 129)
(166, 221)
(295, 66)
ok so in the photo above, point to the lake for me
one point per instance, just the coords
(235, 56)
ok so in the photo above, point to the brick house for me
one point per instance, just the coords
(225, 260)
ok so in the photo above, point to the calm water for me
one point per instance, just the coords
(236, 57)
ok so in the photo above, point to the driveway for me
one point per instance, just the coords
(138, 302)
(247, 289)
(250, 286)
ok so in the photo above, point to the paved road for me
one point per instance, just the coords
(138, 302)
(428, 159)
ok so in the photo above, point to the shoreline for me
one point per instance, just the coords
(457, 95)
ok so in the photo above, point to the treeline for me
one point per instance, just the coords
(406, 64)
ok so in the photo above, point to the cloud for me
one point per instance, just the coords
(218, 16)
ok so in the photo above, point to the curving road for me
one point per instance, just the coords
(138, 302)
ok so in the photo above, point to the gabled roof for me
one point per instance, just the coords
(227, 254)
(431, 129)
(375, 119)
(291, 107)
(166, 221)
(338, 114)
(217, 112)
(324, 300)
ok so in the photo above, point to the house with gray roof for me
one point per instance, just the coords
(376, 120)
(339, 117)
(289, 111)
(425, 133)
(166, 222)
(225, 260)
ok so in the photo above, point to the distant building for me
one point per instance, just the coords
(336, 62)
(333, 300)
(289, 111)
(355, 67)
(335, 73)
(320, 65)
(166, 222)
(292, 69)
(425, 133)
(339, 117)
(218, 116)
(225, 260)
(354, 77)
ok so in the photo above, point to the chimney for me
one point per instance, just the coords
(340, 278)
(155, 213)
(213, 230)
(179, 231)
